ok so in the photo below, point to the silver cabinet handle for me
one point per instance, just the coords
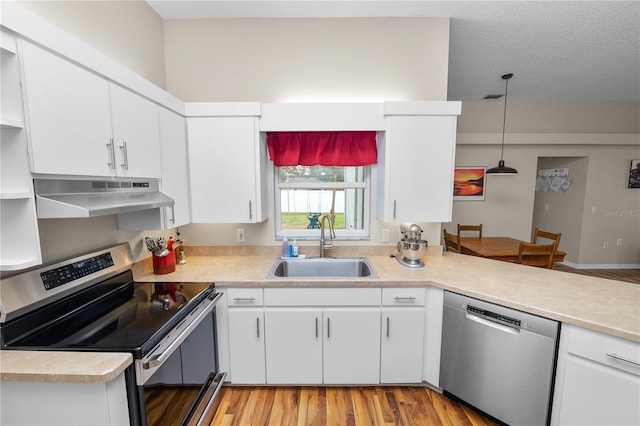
(173, 215)
(112, 155)
(250, 211)
(621, 358)
(387, 327)
(258, 327)
(125, 156)
(394, 208)
(328, 328)
(244, 299)
(316, 327)
(399, 298)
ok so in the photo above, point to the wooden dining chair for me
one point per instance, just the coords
(451, 242)
(470, 228)
(540, 255)
(537, 233)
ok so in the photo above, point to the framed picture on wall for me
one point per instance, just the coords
(469, 183)
(634, 174)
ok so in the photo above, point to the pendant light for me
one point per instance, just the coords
(502, 169)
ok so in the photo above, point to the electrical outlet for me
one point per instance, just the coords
(385, 236)
(619, 242)
(593, 209)
(240, 235)
(546, 206)
(606, 244)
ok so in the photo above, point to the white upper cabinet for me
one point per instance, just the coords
(227, 164)
(80, 124)
(175, 180)
(136, 133)
(416, 157)
(175, 175)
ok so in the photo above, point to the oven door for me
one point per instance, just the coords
(178, 381)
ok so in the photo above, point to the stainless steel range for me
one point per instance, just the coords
(91, 303)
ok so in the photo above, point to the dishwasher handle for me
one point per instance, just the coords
(493, 319)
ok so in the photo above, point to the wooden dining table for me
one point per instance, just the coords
(498, 248)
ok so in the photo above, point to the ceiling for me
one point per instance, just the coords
(557, 50)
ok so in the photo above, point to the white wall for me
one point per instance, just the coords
(298, 60)
(130, 32)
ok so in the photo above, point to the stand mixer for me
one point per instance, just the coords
(411, 247)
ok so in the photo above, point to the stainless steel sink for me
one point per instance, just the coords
(323, 267)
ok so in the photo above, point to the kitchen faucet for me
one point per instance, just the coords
(332, 234)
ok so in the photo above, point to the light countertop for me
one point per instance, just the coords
(607, 306)
(75, 367)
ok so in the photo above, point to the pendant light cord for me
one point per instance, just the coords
(504, 117)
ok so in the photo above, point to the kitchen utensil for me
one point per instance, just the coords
(163, 252)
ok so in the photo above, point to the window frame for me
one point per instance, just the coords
(314, 234)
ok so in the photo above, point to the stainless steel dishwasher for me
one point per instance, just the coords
(499, 360)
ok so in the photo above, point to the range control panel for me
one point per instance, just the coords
(64, 274)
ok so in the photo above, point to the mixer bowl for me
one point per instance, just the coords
(413, 250)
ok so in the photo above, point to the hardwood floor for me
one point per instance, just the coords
(628, 275)
(348, 406)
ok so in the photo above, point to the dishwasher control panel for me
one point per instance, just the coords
(493, 316)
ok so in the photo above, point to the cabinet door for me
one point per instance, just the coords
(402, 345)
(67, 109)
(136, 134)
(224, 160)
(419, 162)
(293, 345)
(175, 179)
(351, 345)
(595, 394)
(246, 345)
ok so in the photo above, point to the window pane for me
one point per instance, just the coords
(315, 174)
(302, 208)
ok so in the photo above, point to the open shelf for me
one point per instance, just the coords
(15, 195)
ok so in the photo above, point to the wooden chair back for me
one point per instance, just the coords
(470, 228)
(451, 242)
(547, 235)
(540, 255)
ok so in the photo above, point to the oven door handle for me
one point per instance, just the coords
(157, 360)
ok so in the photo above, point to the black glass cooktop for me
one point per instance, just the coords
(116, 315)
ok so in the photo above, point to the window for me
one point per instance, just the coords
(304, 193)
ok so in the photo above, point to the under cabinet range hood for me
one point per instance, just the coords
(57, 198)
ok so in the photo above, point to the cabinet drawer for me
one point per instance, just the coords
(322, 297)
(605, 349)
(244, 297)
(403, 296)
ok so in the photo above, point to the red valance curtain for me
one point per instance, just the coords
(322, 148)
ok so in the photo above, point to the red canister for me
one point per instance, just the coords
(164, 264)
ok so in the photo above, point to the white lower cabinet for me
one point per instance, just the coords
(294, 345)
(330, 345)
(597, 380)
(312, 336)
(352, 345)
(246, 345)
(401, 347)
